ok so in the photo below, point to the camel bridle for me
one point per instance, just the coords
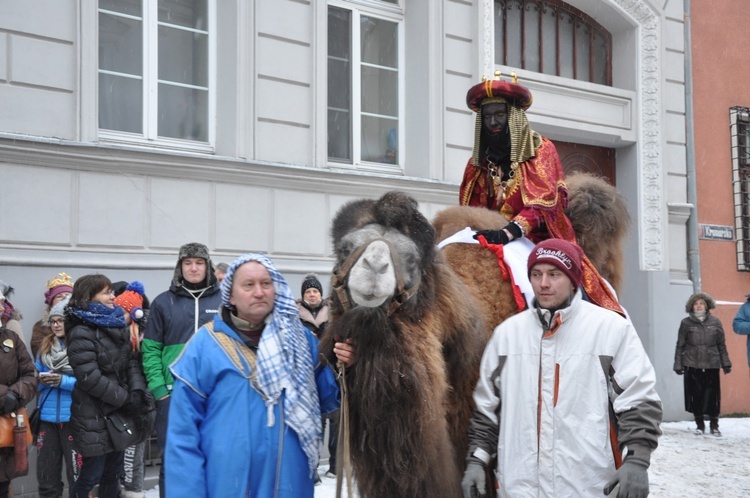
(341, 278)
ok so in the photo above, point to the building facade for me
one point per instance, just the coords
(128, 128)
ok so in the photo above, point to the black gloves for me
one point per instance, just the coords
(473, 484)
(493, 236)
(135, 402)
(679, 371)
(11, 402)
(727, 369)
(633, 480)
(500, 236)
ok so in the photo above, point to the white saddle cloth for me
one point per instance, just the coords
(516, 257)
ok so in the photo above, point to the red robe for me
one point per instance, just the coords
(536, 201)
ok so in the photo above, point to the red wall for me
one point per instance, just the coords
(720, 80)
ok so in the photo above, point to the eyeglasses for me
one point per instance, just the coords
(56, 322)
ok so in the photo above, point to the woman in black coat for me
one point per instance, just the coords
(700, 351)
(108, 379)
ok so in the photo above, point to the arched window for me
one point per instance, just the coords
(551, 37)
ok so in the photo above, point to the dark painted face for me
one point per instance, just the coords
(495, 117)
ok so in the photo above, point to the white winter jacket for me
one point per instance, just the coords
(550, 394)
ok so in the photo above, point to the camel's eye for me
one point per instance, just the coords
(410, 261)
(345, 249)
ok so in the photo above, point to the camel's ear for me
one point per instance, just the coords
(350, 217)
(400, 211)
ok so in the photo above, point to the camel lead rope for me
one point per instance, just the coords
(343, 451)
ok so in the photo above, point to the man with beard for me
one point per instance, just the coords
(517, 172)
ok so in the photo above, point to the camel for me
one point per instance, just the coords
(420, 318)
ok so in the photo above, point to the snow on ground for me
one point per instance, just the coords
(689, 466)
(683, 466)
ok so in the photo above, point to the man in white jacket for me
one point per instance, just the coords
(566, 398)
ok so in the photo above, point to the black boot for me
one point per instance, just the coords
(700, 425)
(715, 427)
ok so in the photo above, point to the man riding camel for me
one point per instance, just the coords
(517, 172)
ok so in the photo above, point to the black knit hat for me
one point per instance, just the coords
(311, 280)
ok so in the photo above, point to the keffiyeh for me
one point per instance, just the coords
(284, 361)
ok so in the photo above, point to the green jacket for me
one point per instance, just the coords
(174, 317)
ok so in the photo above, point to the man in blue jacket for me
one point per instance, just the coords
(248, 395)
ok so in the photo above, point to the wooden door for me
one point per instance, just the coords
(599, 161)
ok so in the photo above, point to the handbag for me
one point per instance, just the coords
(35, 420)
(122, 431)
(7, 423)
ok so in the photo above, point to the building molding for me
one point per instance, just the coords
(652, 222)
(149, 163)
(652, 219)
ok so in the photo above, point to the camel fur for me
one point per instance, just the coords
(410, 389)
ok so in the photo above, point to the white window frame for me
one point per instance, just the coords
(388, 12)
(150, 136)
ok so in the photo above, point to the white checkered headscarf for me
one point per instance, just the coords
(285, 363)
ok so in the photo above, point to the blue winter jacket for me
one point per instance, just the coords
(219, 443)
(56, 408)
(741, 325)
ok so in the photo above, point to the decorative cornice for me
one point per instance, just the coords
(487, 25)
(651, 191)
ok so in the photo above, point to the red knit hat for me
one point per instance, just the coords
(511, 91)
(131, 300)
(560, 253)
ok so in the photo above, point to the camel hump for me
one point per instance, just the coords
(600, 218)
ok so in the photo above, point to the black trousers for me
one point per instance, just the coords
(702, 393)
(333, 436)
(55, 446)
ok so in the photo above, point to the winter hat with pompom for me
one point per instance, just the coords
(131, 300)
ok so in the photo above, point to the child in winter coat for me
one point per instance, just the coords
(56, 382)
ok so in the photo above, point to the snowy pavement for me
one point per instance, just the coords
(684, 465)
(689, 466)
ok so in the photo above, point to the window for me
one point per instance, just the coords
(739, 118)
(551, 37)
(364, 87)
(155, 70)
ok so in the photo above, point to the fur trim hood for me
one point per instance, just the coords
(710, 302)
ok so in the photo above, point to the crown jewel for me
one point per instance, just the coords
(60, 279)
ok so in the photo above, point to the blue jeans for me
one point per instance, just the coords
(104, 470)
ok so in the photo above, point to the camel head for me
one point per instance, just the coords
(381, 248)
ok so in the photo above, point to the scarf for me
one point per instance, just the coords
(8, 313)
(100, 315)
(285, 364)
(57, 358)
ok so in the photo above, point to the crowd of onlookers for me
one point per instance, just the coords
(103, 352)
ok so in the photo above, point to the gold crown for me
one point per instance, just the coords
(498, 74)
(60, 279)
